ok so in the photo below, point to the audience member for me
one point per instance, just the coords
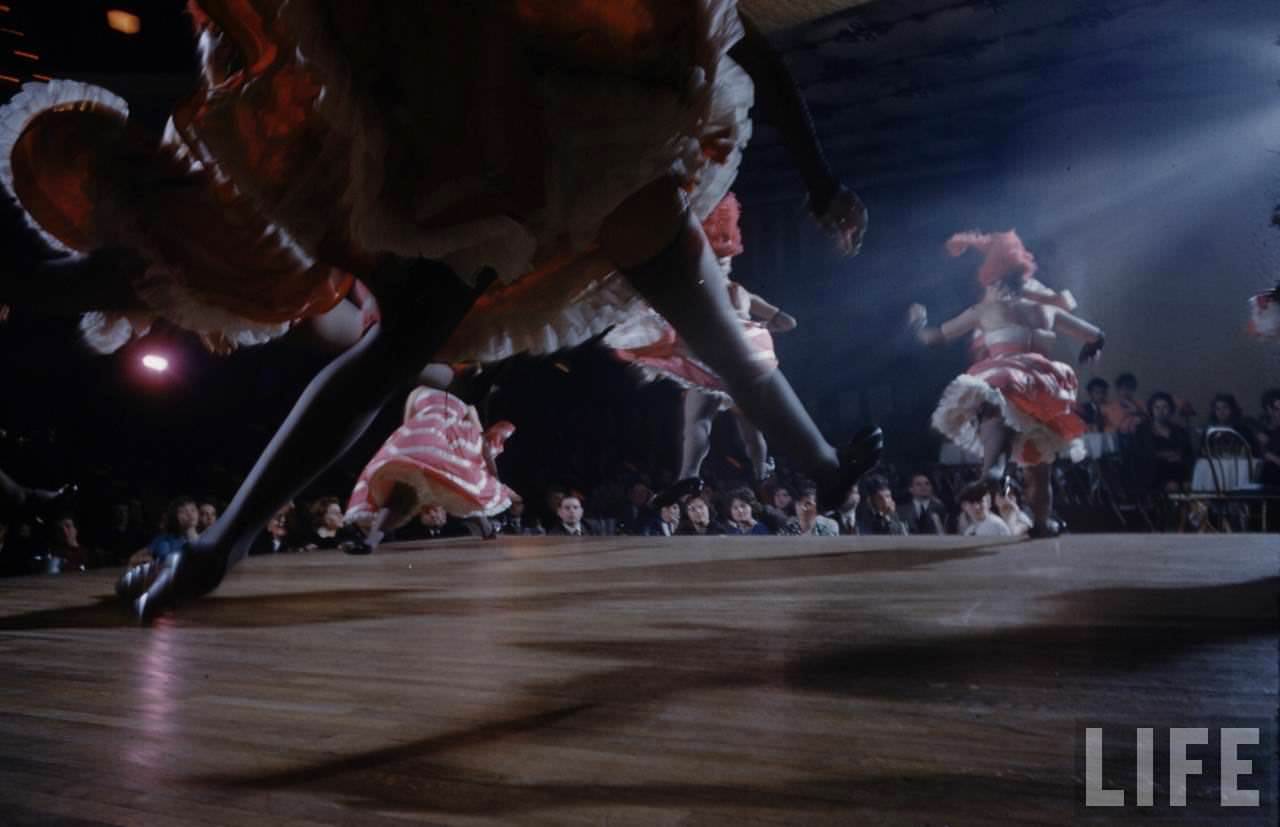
(1225, 412)
(698, 519)
(179, 528)
(327, 522)
(569, 520)
(924, 513)
(882, 512)
(1092, 409)
(743, 508)
(847, 514)
(1124, 414)
(513, 520)
(980, 522)
(208, 515)
(123, 537)
(1268, 437)
(808, 522)
(1163, 446)
(433, 523)
(274, 538)
(1008, 509)
(667, 523)
(636, 515)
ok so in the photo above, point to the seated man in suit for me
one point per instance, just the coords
(882, 512)
(432, 523)
(923, 513)
(569, 522)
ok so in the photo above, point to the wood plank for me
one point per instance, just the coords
(629, 681)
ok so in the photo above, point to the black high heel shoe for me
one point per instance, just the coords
(857, 458)
(154, 587)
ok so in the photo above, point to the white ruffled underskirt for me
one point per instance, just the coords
(956, 418)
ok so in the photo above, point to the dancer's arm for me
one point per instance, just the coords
(1036, 291)
(779, 102)
(1076, 327)
(774, 318)
(952, 329)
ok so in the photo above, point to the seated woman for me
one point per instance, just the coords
(808, 522)
(698, 519)
(743, 507)
(327, 525)
(179, 528)
(1163, 446)
(1225, 412)
(1268, 439)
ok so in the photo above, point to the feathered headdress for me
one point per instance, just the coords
(1003, 255)
(721, 227)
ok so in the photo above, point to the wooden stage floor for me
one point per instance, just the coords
(630, 681)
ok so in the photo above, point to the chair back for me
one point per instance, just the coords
(1230, 458)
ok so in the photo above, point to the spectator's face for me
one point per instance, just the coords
(921, 488)
(208, 514)
(977, 510)
(882, 501)
(188, 516)
(68, 535)
(740, 512)
(1126, 391)
(570, 511)
(852, 500)
(1098, 394)
(698, 512)
(782, 499)
(1160, 410)
(332, 517)
(671, 513)
(1222, 411)
(553, 501)
(806, 507)
(434, 516)
(279, 525)
(639, 494)
(1004, 503)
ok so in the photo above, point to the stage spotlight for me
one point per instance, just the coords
(155, 362)
(124, 22)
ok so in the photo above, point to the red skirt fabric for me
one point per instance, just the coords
(670, 358)
(1034, 395)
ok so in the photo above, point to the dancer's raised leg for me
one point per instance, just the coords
(427, 302)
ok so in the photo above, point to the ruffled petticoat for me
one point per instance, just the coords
(650, 346)
(438, 453)
(498, 137)
(1034, 395)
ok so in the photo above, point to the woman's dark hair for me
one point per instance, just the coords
(1098, 382)
(319, 507)
(1270, 398)
(171, 514)
(1230, 400)
(747, 496)
(1127, 380)
(1156, 397)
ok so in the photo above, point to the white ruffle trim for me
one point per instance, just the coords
(34, 99)
(956, 418)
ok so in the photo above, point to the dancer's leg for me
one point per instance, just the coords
(684, 283)
(757, 447)
(997, 439)
(1039, 485)
(402, 503)
(331, 414)
(699, 412)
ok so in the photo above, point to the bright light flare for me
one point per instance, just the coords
(155, 362)
(124, 22)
